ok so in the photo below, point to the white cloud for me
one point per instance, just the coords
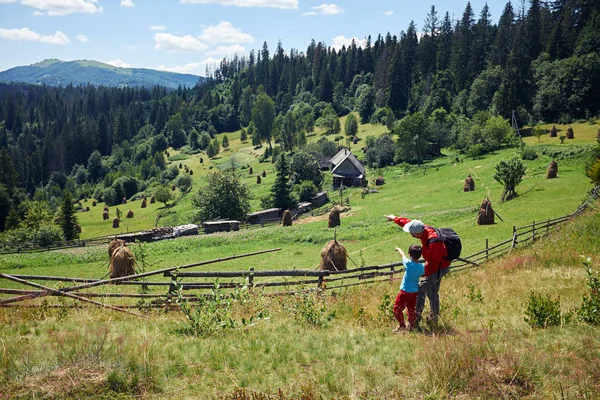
(224, 32)
(118, 63)
(388, 13)
(82, 38)
(127, 3)
(158, 28)
(227, 51)
(342, 40)
(172, 43)
(131, 48)
(61, 7)
(327, 9)
(196, 68)
(27, 35)
(286, 4)
(309, 13)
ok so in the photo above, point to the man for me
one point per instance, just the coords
(436, 265)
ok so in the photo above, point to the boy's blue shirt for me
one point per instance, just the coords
(414, 270)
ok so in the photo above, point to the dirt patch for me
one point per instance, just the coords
(317, 218)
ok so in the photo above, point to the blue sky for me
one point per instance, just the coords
(185, 35)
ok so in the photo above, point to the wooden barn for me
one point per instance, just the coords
(270, 215)
(320, 199)
(347, 170)
(221, 226)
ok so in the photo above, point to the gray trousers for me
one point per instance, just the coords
(430, 287)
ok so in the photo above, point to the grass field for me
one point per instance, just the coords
(484, 349)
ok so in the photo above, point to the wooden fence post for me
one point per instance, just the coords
(251, 277)
(320, 282)
(487, 246)
(533, 236)
(392, 275)
(514, 242)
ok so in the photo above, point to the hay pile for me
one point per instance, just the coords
(250, 171)
(87, 208)
(130, 214)
(191, 172)
(106, 208)
(469, 185)
(553, 131)
(116, 222)
(144, 204)
(258, 181)
(286, 220)
(180, 166)
(173, 187)
(334, 217)
(201, 160)
(105, 215)
(122, 260)
(552, 171)
(570, 133)
(152, 199)
(93, 203)
(113, 245)
(485, 216)
(264, 174)
(333, 257)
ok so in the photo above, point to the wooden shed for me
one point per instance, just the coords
(221, 226)
(347, 170)
(320, 199)
(269, 215)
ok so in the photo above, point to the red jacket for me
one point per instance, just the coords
(433, 253)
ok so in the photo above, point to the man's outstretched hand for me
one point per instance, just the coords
(390, 217)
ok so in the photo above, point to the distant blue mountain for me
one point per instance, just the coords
(82, 72)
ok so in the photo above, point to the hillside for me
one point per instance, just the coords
(484, 348)
(83, 72)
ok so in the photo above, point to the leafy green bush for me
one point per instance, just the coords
(311, 310)
(589, 312)
(543, 312)
(528, 153)
(306, 190)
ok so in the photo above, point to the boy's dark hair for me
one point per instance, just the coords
(415, 251)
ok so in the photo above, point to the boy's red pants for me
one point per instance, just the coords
(408, 301)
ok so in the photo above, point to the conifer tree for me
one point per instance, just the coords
(281, 192)
(68, 219)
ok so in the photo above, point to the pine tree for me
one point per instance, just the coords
(225, 142)
(504, 36)
(281, 192)
(68, 219)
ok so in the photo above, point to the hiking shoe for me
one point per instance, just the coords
(399, 329)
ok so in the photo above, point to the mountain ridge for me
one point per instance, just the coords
(54, 72)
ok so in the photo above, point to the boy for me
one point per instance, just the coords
(407, 298)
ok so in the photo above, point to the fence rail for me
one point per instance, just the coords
(319, 280)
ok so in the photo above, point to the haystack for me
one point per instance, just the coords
(469, 185)
(553, 131)
(570, 133)
(105, 215)
(201, 160)
(180, 166)
(258, 181)
(93, 204)
(106, 208)
(173, 187)
(144, 204)
(250, 171)
(130, 214)
(552, 171)
(87, 208)
(124, 201)
(121, 262)
(113, 245)
(116, 222)
(485, 216)
(152, 199)
(334, 217)
(286, 220)
(191, 172)
(333, 257)
(264, 174)
(77, 228)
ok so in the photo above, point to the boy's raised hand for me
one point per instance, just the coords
(399, 250)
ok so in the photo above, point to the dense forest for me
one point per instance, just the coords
(449, 83)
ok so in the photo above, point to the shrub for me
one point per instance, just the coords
(543, 312)
(589, 312)
(306, 190)
(528, 153)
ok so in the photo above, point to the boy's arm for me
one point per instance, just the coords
(399, 250)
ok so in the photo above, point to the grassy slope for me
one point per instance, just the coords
(485, 349)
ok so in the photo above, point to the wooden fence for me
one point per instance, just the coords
(304, 280)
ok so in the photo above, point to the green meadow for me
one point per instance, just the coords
(338, 345)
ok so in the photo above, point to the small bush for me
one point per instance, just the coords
(312, 311)
(589, 312)
(543, 312)
(529, 153)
